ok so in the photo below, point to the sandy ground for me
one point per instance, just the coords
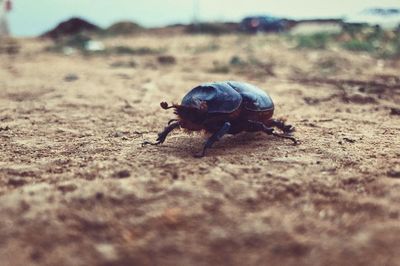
(77, 188)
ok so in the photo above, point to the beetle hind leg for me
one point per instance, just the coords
(286, 129)
(285, 137)
(254, 126)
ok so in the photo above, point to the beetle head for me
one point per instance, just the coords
(195, 113)
(192, 114)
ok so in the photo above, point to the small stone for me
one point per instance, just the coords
(122, 174)
(166, 60)
(349, 140)
(71, 77)
(67, 187)
(16, 182)
(360, 99)
(117, 134)
(123, 64)
(393, 174)
(107, 251)
(395, 111)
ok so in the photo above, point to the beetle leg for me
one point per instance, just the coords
(254, 126)
(215, 137)
(287, 129)
(163, 135)
(172, 120)
(285, 137)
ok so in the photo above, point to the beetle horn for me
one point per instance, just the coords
(164, 105)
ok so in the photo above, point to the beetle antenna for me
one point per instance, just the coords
(164, 105)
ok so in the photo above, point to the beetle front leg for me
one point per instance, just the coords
(215, 137)
(163, 135)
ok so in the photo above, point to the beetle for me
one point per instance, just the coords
(227, 107)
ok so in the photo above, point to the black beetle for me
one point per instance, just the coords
(227, 107)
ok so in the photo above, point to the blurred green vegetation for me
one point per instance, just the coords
(77, 42)
(86, 45)
(122, 28)
(355, 37)
(359, 45)
(133, 51)
(209, 47)
(314, 41)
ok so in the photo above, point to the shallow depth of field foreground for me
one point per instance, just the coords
(77, 188)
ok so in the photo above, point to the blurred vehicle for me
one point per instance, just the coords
(256, 24)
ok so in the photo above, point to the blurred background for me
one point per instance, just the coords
(80, 87)
(31, 18)
(368, 26)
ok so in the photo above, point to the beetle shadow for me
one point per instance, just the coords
(246, 141)
(189, 145)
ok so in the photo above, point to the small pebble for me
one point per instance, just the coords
(166, 60)
(71, 77)
(107, 251)
(17, 182)
(393, 174)
(395, 111)
(122, 174)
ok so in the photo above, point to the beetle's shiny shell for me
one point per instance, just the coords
(219, 96)
(228, 96)
(254, 99)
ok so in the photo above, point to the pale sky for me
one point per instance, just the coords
(33, 17)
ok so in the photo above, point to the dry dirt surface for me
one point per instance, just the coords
(77, 188)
